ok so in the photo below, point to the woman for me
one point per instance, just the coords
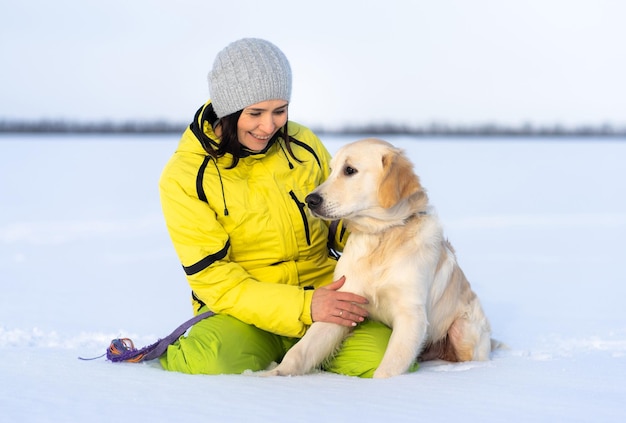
(233, 200)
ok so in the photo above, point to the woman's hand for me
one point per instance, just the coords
(332, 306)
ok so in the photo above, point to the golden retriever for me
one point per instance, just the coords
(397, 257)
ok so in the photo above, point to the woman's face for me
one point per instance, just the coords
(258, 123)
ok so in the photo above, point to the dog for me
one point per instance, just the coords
(396, 256)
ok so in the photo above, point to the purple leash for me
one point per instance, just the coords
(123, 349)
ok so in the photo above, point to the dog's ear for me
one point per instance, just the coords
(398, 180)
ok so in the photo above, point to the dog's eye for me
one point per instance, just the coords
(349, 170)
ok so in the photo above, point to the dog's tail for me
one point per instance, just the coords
(498, 345)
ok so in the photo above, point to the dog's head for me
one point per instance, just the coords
(369, 178)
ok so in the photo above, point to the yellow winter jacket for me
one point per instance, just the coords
(249, 246)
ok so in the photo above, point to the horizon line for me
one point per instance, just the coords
(46, 126)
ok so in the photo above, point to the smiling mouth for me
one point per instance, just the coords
(258, 137)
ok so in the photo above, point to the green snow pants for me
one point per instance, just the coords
(224, 345)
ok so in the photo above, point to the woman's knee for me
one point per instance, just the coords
(222, 345)
(362, 352)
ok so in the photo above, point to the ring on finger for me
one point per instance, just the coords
(340, 313)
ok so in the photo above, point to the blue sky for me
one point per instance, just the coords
(354, 62)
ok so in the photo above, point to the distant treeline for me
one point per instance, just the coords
(435, 129)
(68, 127)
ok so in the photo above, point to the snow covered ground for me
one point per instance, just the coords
(538, 225)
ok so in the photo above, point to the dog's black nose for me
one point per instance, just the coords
(313, 200)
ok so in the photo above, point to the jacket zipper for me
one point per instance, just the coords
(301, 207)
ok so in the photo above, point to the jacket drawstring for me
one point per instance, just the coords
(286, 155)
(200, 181)
(219, 175)
(206, 113)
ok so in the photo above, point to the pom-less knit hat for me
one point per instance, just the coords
(247, 72)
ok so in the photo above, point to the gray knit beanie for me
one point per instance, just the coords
(247, 72)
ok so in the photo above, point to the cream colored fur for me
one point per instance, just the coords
(397, 257)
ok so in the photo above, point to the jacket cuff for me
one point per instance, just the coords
(305, 317)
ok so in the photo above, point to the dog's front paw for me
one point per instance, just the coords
(385, 372)
(286, 370)
(267, 373)
(381, 375)
(278, 371)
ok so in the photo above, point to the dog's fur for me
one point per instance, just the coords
(396, 256)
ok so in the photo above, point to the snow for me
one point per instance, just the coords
(538, 226)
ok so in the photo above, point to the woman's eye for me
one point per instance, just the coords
(349, 170)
